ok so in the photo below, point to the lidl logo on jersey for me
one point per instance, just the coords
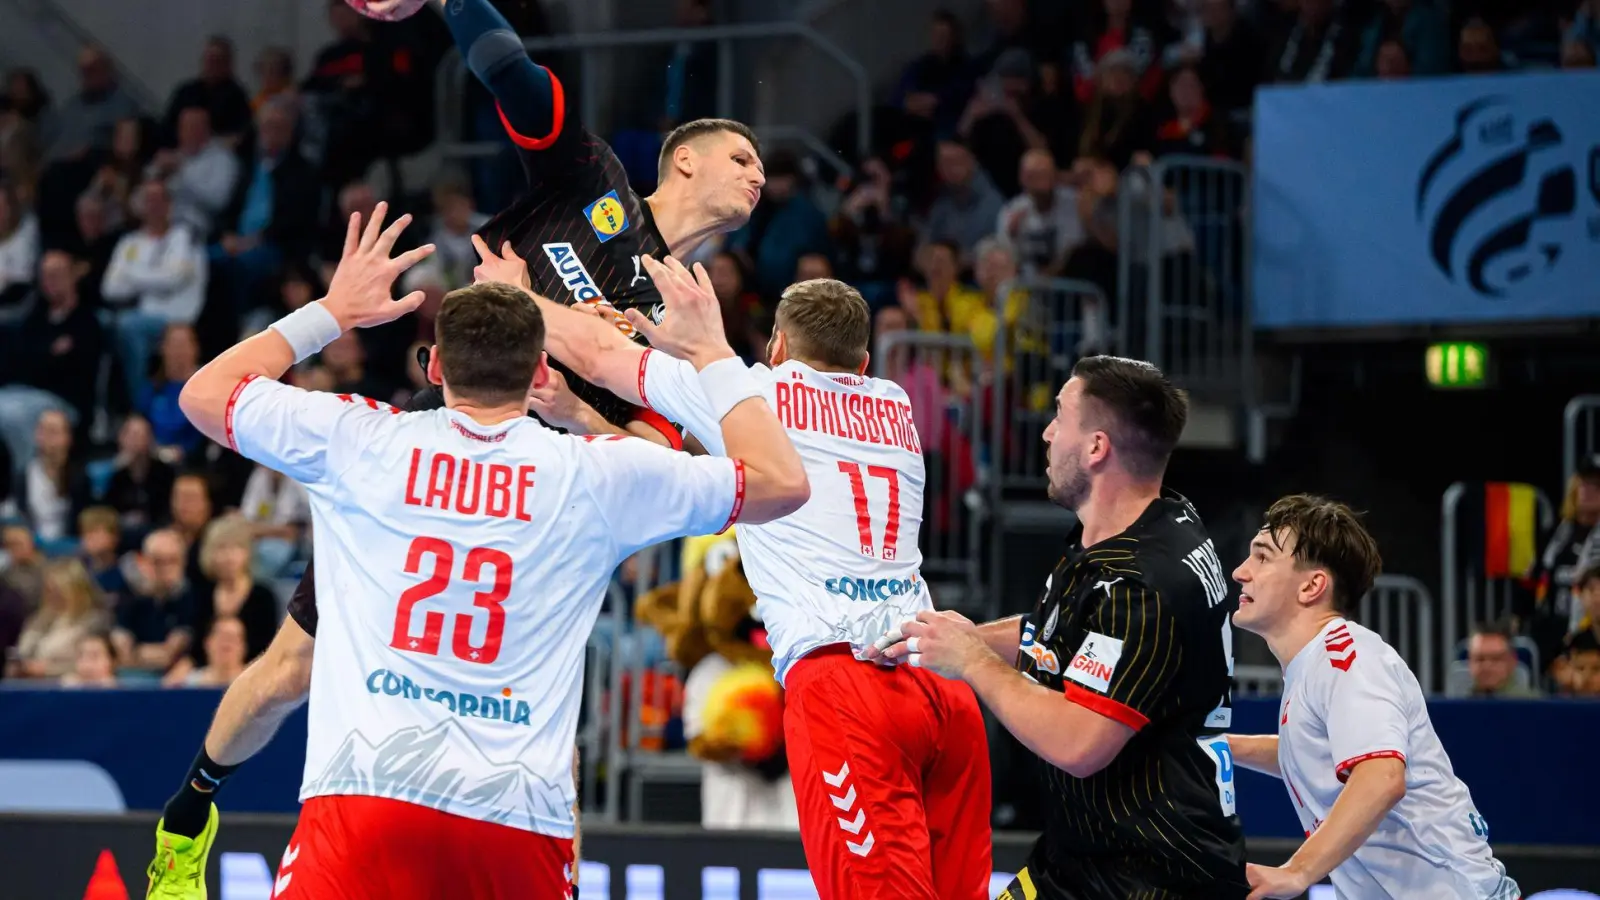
(1042, 655)
(872, 589)
(1096, 662)
(468, 706)
(607, 217)
(569, 266)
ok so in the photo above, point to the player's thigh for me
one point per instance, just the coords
(956, 796)
(861, 816)
(321, 863)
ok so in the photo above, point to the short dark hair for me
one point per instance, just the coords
(490, 336)
(1136, 404)
(1586, 575)
(1499, 628)
(1328, 535)
(693, 131)
(826, 322)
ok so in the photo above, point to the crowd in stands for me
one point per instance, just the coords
(137, 243)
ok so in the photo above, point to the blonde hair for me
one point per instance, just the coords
(82, 595)
(228, 532)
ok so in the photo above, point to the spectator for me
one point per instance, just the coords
(158, 398)
(278, 509)
(273, 215)
(1585, 636)
(1478, 49)
(1318, 47)
(1112, 27)
(923, 384)
(95, 665)
(19, 250)
(24, 571)
(25, 95)
(1577, 55)
(100, 542)
(1095, 260)
(1008, 25)
(55, 362)
(1392, 64)
(1226, 69)
(742, 309)
(161, 270)
(275, 74)
(346, 360)
(95, 243)
(230, 592)
(84, 121)
(996, 273)
(964, 211)
(996, 123)
(154, 624)
(935, 86)
(946, 305)
(21, 156)
(192, 509)
(140, 489)
(431, 281)
(455, 222)
(1193, 130)
(1555, 610)
(1117, 125)
(122, 169)
(217, 91)
(201, 172)
(1041, 224)
(1582, 675)
(784, 227)
(1422, 28)
(1585, 28)
(355, 198)
(226, 657)
(872, 245)
(365, 91)
(813, 266)
(54, 487)
(71, 608)
(1492, 660)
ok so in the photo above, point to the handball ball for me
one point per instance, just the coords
(745, 710)
(401, 10)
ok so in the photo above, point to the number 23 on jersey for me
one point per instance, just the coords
(486, 567)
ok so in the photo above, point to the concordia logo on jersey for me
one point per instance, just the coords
(872, 589)
(469, 706)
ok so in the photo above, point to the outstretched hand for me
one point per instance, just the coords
(361, 293)
(506, 266)
(691, 325)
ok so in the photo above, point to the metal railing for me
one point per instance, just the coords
(1580, 433)
(451, 77)
(1183, 272)
(1468, 595)
(1400, 608)
(944, 376)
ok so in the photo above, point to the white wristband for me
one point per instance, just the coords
(308, 329)
(726, 384)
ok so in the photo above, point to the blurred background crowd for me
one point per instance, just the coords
(138, 242)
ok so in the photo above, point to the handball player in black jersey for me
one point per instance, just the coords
(1119, 679)
(581, 230)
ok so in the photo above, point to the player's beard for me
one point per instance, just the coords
(1069, 483)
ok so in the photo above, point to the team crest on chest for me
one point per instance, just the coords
(1050, 623)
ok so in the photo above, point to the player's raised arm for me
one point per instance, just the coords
(532, 104)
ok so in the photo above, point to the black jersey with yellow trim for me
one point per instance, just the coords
(583, 232)
(1137, 628)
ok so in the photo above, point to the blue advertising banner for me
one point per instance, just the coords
(1470, 199)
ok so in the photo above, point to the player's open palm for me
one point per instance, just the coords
(361, 293)
(691, 324)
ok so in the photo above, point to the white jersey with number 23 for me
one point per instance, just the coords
(845, 567)
(460, 568)
(1348, 697)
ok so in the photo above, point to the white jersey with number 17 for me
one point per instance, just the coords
(460, 568)
(845, 567)
(1348, 697)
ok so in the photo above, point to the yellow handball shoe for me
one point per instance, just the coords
(179, 870)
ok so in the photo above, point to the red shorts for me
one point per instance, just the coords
(374, 848)
(891, 773)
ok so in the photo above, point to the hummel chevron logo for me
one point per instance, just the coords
(837, 778)
(854, 826)
(863, 848)
(847, 801)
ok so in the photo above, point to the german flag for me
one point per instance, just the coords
(1511, 525)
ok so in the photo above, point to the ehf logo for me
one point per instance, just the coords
(1498, 198)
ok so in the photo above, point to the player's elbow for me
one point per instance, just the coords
(793, 489)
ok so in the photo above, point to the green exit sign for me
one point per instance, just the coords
(1458, 364)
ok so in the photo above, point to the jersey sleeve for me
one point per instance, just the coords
(1366, 713)
(648, 494)
(671, 386)
(295, 431)
(1127, 667)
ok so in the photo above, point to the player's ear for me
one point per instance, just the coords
(866, 360)
(778, 352)
(683, 159)
(1317, 587)
(434, 372)
(541, 372)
